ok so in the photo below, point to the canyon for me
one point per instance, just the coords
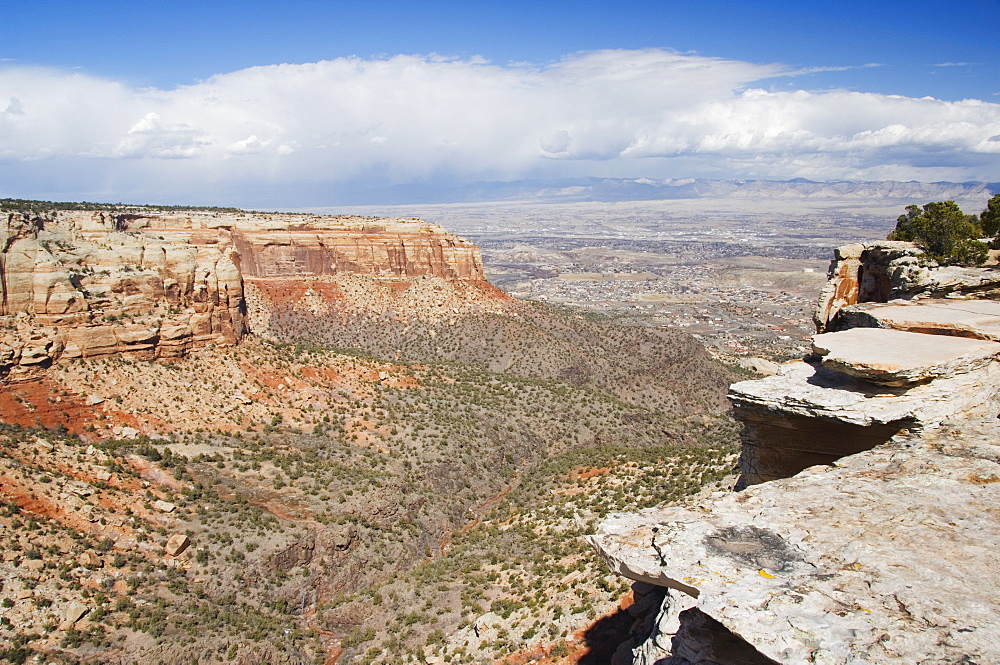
(252, 437)
(263, 438)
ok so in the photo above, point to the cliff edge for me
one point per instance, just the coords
(155, 283)
(866, 529)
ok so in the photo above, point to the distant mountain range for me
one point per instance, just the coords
(647, 189)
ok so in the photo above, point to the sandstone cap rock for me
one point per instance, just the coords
(977, 319)
(898, 358)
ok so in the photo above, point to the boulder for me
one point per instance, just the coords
(176, 544)
(34, 565)
(759, 365)
(73, 611)
(164, 506)
(488, 625)
(90, 560)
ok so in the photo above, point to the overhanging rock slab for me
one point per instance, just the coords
(891, 556)
(898, 358)
(977, 319)
(810, 390)
(810, 414)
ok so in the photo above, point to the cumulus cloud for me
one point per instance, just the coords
(150, 137)
(407, 119)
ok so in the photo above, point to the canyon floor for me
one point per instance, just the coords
(282, 502)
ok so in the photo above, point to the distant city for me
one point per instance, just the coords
(740, 272)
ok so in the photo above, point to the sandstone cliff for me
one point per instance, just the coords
(152, 284)
(888, 270)
(866, 531)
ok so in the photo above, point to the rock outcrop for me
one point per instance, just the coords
(866, 530)
(78, 285)
(898, 358)
(154, 284)
(975, 319)
(888, 270)
(888, 556)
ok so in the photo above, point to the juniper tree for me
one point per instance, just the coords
(944, 232)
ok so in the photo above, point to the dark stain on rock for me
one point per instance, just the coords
(753, 546)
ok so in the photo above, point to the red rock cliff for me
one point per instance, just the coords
(77, 284)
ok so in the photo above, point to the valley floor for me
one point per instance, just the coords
(282, 503)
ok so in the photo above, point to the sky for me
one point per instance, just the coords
(294, 104)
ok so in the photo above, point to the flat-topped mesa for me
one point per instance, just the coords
(389, 248)
(281, 245)
(151, 283)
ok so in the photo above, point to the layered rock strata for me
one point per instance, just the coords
(870, 470)
(813, 414)
(898, 358)
(152, 284)
(884, 271)
(975, 319)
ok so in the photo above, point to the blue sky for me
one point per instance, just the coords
(165, 44)
(101, 99)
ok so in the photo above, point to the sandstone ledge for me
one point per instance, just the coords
(807, 389)
(976, 319)
(811, 414)
(898, 358)
(888, 556)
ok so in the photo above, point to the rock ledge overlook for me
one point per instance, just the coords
(866, 529)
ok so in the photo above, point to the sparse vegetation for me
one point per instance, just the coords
(421, 501)
(288, 499)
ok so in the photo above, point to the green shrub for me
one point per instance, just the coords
(944, 232)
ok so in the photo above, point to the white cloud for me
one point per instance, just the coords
(14, 107)
(251, 145)
(150, 137)
(406, 119)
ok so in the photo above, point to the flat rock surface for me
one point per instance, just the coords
(889, 556)
(978, 319)
(895, 357)
(811, 390)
